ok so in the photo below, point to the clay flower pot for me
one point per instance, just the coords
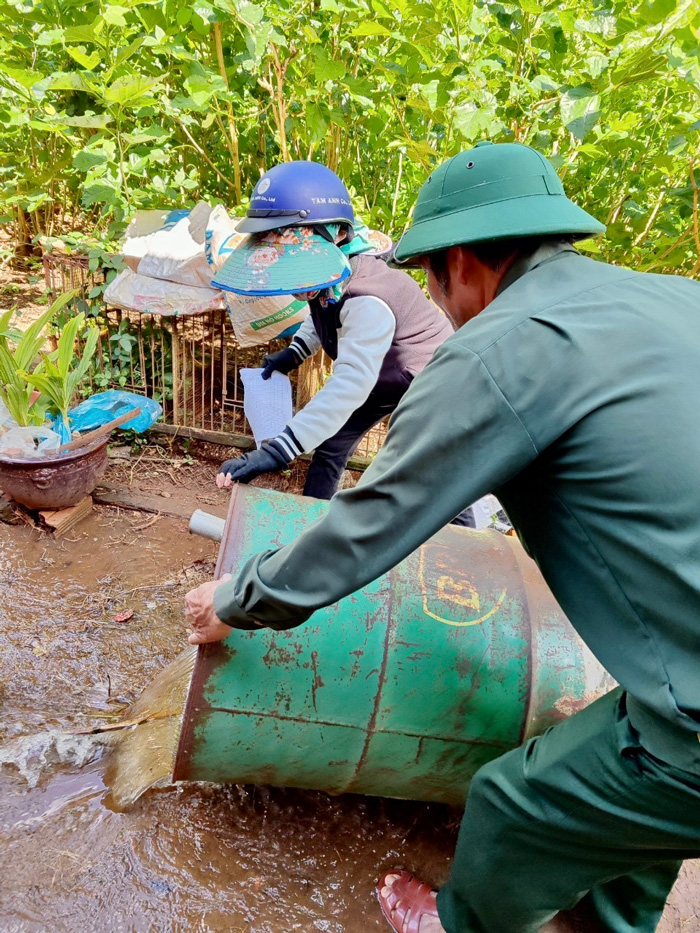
(54, 482)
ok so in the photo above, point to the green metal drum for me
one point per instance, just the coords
(403, 689)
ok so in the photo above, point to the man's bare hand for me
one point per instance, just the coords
(199, 608)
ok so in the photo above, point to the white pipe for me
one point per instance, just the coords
(207, 525)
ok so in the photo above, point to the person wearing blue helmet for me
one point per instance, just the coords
(298, 193)
(374, 322)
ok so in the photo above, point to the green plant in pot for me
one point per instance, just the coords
(60, 374)
(33, 381)
(20, 356)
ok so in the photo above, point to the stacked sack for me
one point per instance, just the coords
(171, 258)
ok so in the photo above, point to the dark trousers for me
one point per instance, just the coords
(580, 815)
(331, 457)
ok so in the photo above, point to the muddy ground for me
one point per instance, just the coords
(199, 859)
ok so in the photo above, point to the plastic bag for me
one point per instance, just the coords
(34, 443)
(106, 406)
(6, 419)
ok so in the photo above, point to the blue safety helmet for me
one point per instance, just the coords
(295, 193)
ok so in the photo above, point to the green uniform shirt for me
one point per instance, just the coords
(575, 397)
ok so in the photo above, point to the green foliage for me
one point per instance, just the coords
(18, 352)
(61, 375)
(104, 262)
(107, 107)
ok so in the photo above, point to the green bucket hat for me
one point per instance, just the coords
(492, 192)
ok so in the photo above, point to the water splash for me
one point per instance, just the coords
(34, 755)
(142, 755)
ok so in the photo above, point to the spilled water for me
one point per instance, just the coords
(196, 858)
(142, 755)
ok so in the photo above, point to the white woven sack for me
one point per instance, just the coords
(174, 251)
(260, 320)
(135, 292)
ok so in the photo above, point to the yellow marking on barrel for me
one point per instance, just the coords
(464, 595)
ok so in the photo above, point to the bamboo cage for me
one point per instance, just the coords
(191, 364)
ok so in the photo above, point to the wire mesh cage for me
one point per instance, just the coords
(191, 364)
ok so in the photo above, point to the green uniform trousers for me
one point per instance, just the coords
(581, 813)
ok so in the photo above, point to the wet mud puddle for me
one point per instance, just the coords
(191, 858)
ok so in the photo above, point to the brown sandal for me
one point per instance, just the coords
(407, 894)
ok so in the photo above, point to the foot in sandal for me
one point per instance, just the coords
(408, 904)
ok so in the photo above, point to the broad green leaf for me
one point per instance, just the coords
(50, 37)
(89, 121)
(148, 134)
(325, 69)
(475, 123)
(114, 15)
(65, 81)
(436, 94)
(203, 86)
(580, 110)
(86, 159)
(127, 52)
(371, 29)
(21, 76)
(543, 82)
(311, 34)
(130, 89)
(656, 11)
(677, 144)
(642, 65)
(79, 54)
(596, 64)
(591, 150)
(186, 103)
(86, 32)
(99, 193)
(316, 120)
(249, 12)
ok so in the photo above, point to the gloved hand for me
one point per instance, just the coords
(284, 361)
(245, 468)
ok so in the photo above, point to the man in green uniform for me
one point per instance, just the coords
(571, 389)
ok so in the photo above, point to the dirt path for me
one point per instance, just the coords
(199, 858)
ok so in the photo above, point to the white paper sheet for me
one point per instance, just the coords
(267, 403)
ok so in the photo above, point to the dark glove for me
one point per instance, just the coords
(243, 469)
(284, 361)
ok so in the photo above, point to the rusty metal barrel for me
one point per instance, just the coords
(402, 689)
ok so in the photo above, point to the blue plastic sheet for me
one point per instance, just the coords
(106, 406)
